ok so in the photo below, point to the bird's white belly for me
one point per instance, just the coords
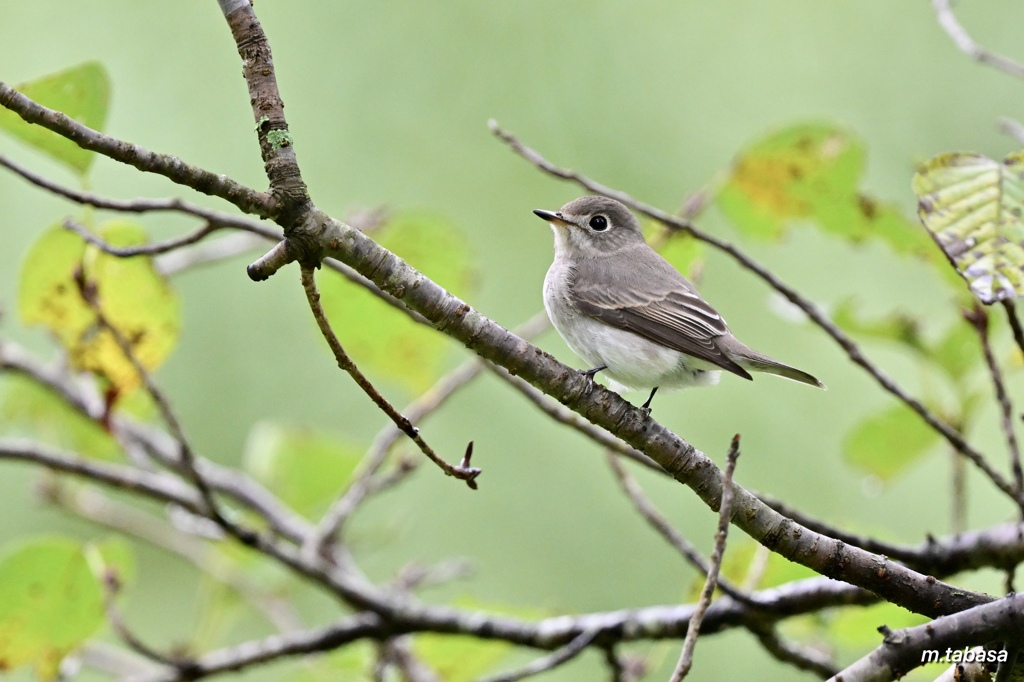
(632, 361)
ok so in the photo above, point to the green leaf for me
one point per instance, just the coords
(807, 171)
(958, 352)
(27, 404)
(82, 92)
(460, 658)
(305, 468)
(50, 602)
(133, 296)
(973, 206)
(738, 559)
(812, 173)
(680, 249)
(856, 628)
(886, 443)
(897, 327)
(385, 339)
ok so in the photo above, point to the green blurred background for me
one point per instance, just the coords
(388, 103)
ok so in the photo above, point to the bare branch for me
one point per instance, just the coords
(660, 524)
(418, 410)
(978, 318)
(951, 25)
(549, 662)
(174, 205)
(462, 471)
(248, 200)
(130, 521)
(111, 586)
(1011, 315)
(160, 487)
(902, 650)
(724, 516)
(185, 455)
(801, 658)
(154, 249)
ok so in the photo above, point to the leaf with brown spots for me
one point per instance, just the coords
(50, 602)
(973, 207)
(132, 295)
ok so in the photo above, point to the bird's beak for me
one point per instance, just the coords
(553, 217)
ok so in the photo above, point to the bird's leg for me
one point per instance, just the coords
(646, 407)
(589, 374)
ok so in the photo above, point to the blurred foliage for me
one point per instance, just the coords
(133, 297)
(382, 338)
(51, 600)
(811, 172)
(83, 93)
(305, 468)
(974, 207)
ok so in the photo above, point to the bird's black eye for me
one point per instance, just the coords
(599, 223)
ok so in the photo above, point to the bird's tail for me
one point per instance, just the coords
(751, 360)
(769, 366)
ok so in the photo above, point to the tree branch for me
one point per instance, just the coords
(902, 650)
(173, 168)
(724, 516)
(951, 25)
(462, 471)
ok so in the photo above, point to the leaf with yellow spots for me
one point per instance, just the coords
(50, 602)
(82, 92)
(811, 173)
(133, 297)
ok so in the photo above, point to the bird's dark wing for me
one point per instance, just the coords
(654, 301)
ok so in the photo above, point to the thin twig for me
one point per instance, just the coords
(800, 657)
(171, 167)
(978, 318)
(812, 311)
(1014, 129)
(724, 519)
(462, 471)
(416, 411)
(951, 25)
(660, 524)
(549, 662)
(111, 586)
(186, 458)
(1011, 316)
(174, 204)
(131, 521)
(158, 486)
(153, 249)
(569, 418)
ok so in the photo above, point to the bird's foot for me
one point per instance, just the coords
(646, 407)
(589, 374)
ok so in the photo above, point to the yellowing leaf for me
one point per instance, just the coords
(50, 602)
(132, 295)
(888, 442)
(82, 92)
(790, 175)
(812, 173)
(305, 468)
(385, 339)
(974, 207)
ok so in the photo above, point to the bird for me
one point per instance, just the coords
(625, 310)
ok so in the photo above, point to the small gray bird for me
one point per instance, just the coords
(625, 310)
